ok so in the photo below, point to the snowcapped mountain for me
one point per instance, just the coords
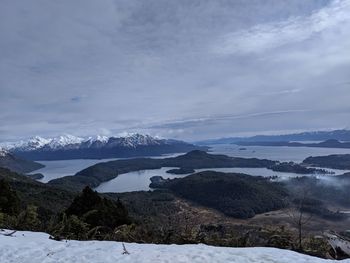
(97, 138)
(97, 147)
(62, 141)
(38, 142)
(71, 142)
(32, 144)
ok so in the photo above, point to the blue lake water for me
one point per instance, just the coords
(278, 153)
(60, 168)
(135, 181)
(57, 169)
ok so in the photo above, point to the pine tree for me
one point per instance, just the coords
(28, 219)
(97, 211)
(77, 228)
(9, 201)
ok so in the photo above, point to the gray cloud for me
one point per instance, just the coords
(182, 69)
(264, 37)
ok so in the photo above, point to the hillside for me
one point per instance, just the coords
(236, 195)
(34, 247)
(16, 164)
(335, 161)
(47, 198)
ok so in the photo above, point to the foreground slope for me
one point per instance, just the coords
(31, 247)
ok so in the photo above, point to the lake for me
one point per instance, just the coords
(278, 153)
(60, 168)
(140, 180)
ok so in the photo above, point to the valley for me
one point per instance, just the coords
(221, 200)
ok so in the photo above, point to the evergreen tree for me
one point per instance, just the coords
(97, 211)
(28, 219)
(9, 201)
(85, 202)
(70, 228)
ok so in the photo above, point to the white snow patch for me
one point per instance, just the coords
(97, 138)
(3, 152)
(64, 140)
(34, 143)
(136, 139)
(32, 247)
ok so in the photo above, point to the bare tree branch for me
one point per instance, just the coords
(9, 234)
(125, 252)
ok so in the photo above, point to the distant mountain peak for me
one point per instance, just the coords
(33, 143)
(101, 138)
(97, 138)
(64, 140)
(137, 139)
(339, 135)
(38, 142)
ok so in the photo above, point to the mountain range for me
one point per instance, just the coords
(99, 147)
(340, 135)
(331, 143)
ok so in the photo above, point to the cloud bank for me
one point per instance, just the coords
(182, 69)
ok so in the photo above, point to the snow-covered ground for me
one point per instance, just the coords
(31, 247)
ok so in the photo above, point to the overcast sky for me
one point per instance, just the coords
(187, 69)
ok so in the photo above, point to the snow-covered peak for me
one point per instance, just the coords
(3, 152)
(40, 141)
(102, 138)
(64, 140)
(34, 143)
(97, 138)
(37, 142)
(137, 139)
